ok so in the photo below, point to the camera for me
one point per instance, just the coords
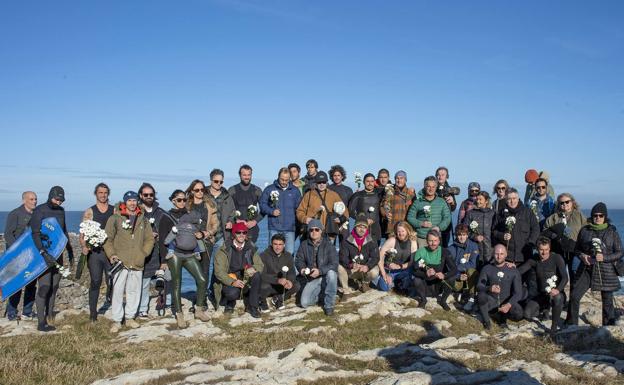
(160, 280)
(116, 268)
(445, 191)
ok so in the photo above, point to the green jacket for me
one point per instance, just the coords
(222, 265)
(439, 215)
(131, 246)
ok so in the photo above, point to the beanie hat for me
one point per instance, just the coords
(315, 223)
(400, 173)
(531, 176)
(57, 192)
(599, 208)
(239, 226)
(130, 195)
(474, 185)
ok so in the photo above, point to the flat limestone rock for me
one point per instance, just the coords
(596, 365)
(535, 369)
(138, 377)
(412, 378)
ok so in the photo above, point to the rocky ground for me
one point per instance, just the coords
(373, 338)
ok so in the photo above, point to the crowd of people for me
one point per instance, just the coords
(506, 258)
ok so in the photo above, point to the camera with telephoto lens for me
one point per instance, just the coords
(445, 191)
(160, 280)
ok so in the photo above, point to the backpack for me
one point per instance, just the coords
(187, 226)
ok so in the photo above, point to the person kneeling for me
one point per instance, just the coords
(359, 256)
(237, 269)
(317, 263)
(466, 254)
(500, 290)
(433, 268)
(278, 275)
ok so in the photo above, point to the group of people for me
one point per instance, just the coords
(506, 258)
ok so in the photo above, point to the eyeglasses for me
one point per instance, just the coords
(501, 188)
(147, 195)
(180, 200)
(540, 187)
(240, 232)
(217, 181)
(565, 203)
(196, 190)
(315, 230)
(598, 215)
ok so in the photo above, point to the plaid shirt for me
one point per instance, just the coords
(398, 204)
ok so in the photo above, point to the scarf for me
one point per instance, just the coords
(431, 258)
(596, 227)
(359, 241)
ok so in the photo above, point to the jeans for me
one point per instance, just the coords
(313, 289)
(210, 272)
(290, 239)
(401, 279)
(29, 300)
(126, 282)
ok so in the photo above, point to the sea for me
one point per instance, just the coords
(188, 284)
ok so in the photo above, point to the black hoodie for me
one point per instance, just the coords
(48, 210)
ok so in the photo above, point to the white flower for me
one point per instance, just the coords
(554, 278)
(548, 289)
(564, 219)
(462, 261)
(151, 221)
(506, 211)
(237, 213)
(474, 225)
(427, 209)
(174, 230)
(393, 251)
(274, 195)
(339, 208)
(64, 272)
(306, 271)
(285, 269)
(126, 224)
(533, 204)
(421, 263)
(371, 209)
(510, 221)
(94, 236)
(322, 208)
(358, 257)
(500, 274)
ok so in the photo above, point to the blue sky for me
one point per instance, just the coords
(160, 91)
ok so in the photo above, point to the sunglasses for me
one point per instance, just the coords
(540, 187)
(315, 230)
(198, 190)
(475, 191)
(217, 181)
(598, 215)
(321, 182)
(147, 195)
(503, 188)
(180, 200)
(565, 203)
(240, 232)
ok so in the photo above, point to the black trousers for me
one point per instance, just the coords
(543, 302)
(48, 284)
(231, 294)
(269, 290)
(431, 288)
(582, 283)
(490, 304)
(98, 265)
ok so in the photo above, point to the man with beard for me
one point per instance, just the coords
(48, 282)
(155, 264)
(446, 192)
(542, 204)
(396, 202)
(469, 203)
(365, 203)
(278, 274)
(428, 211)
(246, 195)
(17, 222)
(338, 175)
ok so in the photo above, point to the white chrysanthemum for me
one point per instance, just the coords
(474, 225)
(463, 260)
(285, 269)
(339, 208)
(500, 274)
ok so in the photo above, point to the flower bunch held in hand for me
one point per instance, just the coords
(93, 235)
(64, 272)
(236, 216)
(358, 179)
(389, 192)
(551, 284)
(474, 227)
(152, 220)
(339, 208)
(126, 225)
(274, 196)
(534, 207)
(252, 211)
(427, 211)
(500, 276)
(422, 264)
(390, 256)
(597, 245)
(510, 222)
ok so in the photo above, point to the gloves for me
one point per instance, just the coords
(48, 258)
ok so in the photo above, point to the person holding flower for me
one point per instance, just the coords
(428, 211)
(338, 175)
(358, 256)
(365, 203)
(465, 253)
(433, 269)
(542, 204)
(130, 240)
(469, 203)
(238, 270)
(97, 261)
(395, 256)
(479, 221)
(552, 278)
(279, 202)
(500, 290)
(246, 197)
(278, 274)
(600, 248)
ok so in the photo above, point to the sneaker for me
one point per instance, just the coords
(45, 328)
(116, 327)
(278, 303)
(487, 325)
(181, 321)
(469, 305)
(202, 315)
(329, 311)
(143, 315)
(421, 302)
(253, 311)
(264, 307)
(132, 324)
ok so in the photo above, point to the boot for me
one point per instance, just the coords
(182, 324)
(202, 314)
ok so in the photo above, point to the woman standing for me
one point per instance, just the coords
(600, 249)
(500, 192)
(479, 221)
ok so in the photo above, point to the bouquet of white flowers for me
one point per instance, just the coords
(474, 227)
(252, 210)
(274, 196)
(510, 222)
(93, 235)
(552, 283)
(339, 208)
(358, 179)
(427, 211)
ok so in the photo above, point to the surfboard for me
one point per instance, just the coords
(22, 263)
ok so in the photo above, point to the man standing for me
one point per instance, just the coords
(338, 175)
(396, 202)
(295, 173)
(448, 194)
(428, 212)
(469, 203)
(366, 203)
(154, 261)
(309, 179)
(130, 240)
(500, 290)
(245, 195)
(237, 268)
(96, 257)
(278, 274)
(48, 282)
(382, 181)
(540, 203)
(17, 222)
(317, 263)
(279, 202)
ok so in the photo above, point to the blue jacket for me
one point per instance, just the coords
(545, 208)
(288, 202)
(469, 251)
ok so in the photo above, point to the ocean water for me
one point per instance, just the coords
(188, 284)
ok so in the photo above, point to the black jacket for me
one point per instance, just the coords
(326, 256)
(349, 250)
(605, 278)
(17, 222)
(273, 265)
(485, 218)
(523, 235)
(554, 265)
(447, 266)
(345, 192)
(155, 259)
(48, 210)
(361, 203)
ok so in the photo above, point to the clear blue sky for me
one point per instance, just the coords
(162, 91)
